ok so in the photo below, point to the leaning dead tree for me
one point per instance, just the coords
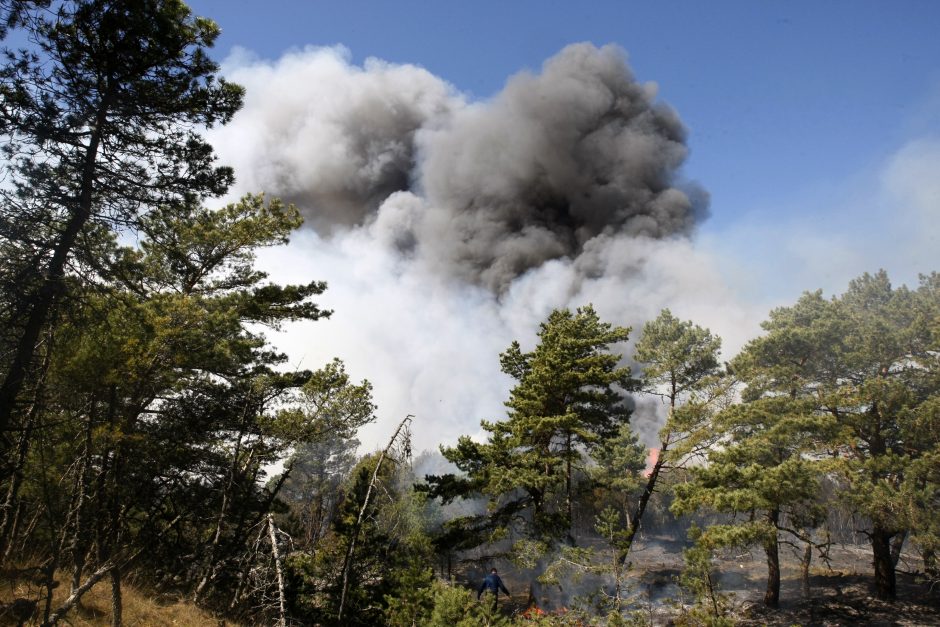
(279, 570)
(262, 573)
(347, 560)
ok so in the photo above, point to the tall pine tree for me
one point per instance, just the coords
(102, 119)
(569, 396)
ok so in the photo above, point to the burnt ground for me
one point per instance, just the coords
(841, 599)
(841, 592)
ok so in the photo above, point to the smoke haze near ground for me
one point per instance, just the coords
(447, 228)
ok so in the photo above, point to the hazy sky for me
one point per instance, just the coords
(814, 127)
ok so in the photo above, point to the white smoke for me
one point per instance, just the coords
(446, 229)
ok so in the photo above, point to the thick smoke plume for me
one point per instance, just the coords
(448, 228)
(555, 160)
(488, 191)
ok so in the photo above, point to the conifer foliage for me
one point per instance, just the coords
(101, 119)
(570, 395)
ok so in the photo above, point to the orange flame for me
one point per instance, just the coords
(651, 461)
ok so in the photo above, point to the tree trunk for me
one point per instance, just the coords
(637, 517)
(897, 545)
(11, 504)
(105, 568)
(804, 567)
(243, 572)
(52, 286)
(772, 595)
(885, 582)
(80, 538)
(568, 505)
(278, 569)
(11, 531)
(117, 606)
(210, 565)
(50, 585)
(54, 617)
(347, 560)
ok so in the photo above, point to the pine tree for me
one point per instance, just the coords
(569, 397)
(858, 373)
(102, 120)
(680, 362)
(759, 471)
(162, 408)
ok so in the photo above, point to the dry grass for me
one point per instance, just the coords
(140, 608)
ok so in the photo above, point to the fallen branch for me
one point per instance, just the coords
(95, 577)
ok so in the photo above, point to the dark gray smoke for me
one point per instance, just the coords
(492, 189)
(553, 161)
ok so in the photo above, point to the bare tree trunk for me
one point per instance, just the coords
(347, 560)
(25, 535)
(210, 567)
(804, 567)
(11, 531)
(104, 569)
(50, 584)
(568, 505)
(278, 569)
(76, 595)
(117, 605)
(618, 584)
(243, 574)
(10, 503)
(80, 536)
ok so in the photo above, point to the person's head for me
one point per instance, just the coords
(493, 571)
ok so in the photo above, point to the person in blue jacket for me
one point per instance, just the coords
(492, 584)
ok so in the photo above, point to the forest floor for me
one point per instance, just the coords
(841, 593)
(140, 609)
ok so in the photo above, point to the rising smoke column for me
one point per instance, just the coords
(447, 229)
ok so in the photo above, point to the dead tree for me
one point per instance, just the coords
(347, 560)
(279, 570)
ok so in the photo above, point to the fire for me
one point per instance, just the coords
(651, 461)
(534, 613)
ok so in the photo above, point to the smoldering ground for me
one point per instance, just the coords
(447, 228)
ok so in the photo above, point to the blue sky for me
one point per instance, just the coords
(781, 98)
(814, 126)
